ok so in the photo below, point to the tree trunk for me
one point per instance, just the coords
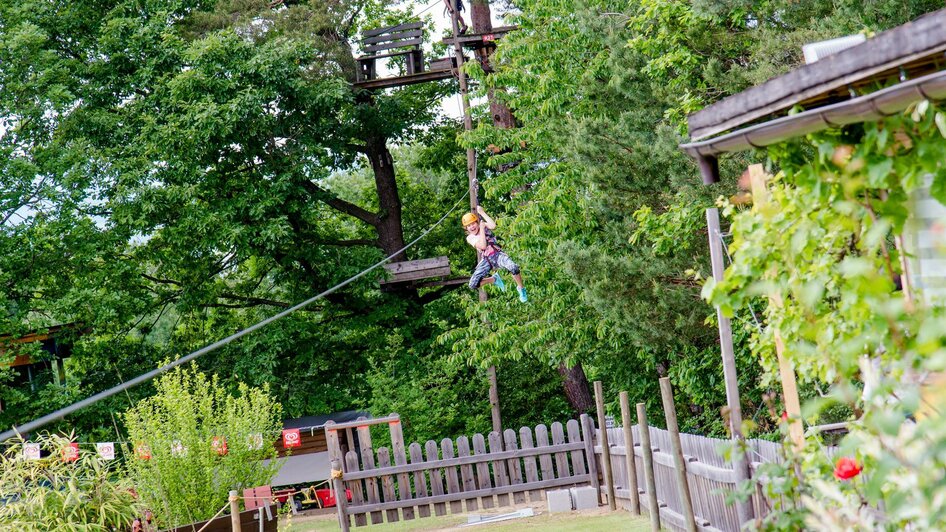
(480, 16)
(576, 388)
(482, 23)
(390, 231)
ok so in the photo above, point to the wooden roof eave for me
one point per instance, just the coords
(873, 106)
(892, 49)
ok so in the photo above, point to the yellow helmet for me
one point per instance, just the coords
(469, 218)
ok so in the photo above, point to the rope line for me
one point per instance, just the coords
(62, 412)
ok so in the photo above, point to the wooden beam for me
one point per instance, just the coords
(740, 463)
(414, 265)
(403, 81)
(760, 198)
(391, 29)
(419, 274)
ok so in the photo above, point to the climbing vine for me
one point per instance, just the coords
(823, 247)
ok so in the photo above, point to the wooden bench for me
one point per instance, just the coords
(404, 39)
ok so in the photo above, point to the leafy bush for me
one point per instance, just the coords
(193, 442)
(87, 494)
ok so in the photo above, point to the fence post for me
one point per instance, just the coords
(235, 512)
(605, 446)
(680, 466)
(648, 467)
(587, 426)
(629, 454)
(341, 498)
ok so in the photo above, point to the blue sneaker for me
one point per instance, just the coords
(499, 282)
(522, 294)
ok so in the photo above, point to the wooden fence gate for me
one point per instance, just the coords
(497, 470)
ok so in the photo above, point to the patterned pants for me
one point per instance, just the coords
(488, 264)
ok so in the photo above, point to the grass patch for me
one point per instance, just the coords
(562, 522)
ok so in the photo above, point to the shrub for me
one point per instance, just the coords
(193, 442)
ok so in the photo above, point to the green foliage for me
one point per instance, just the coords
(822, 244)
(186, 479)
(88, 495)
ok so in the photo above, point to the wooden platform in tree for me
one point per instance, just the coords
(419, 274)
(402, 81)
(479, 40)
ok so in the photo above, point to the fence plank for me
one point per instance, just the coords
(357, 493)
(631, 462)
(588, 436)
(469, 460)
(578, 457)
(387, 483)
(341, 501)
(680, 465)
(545, 460)
(646, 449)
(515, 466)
(400, 458)
(420, 478)
(532, 471)
(484, 482)
(561, 458)
(453, 484)
(605, 446)
(499, 467)
(541, 485)
(331, 441)
(436, 478)
(466, 472)
(367, 464)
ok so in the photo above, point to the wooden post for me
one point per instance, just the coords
(235, 511)
(760, 198)
(740, 463)
(648, 467)
(680, 465)
(474, 197)
(629, 454)
(587, 427)
(605, 447)
(341, 499)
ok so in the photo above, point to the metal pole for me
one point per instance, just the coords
(740, 463)
(648, 452)
(474, 199)
(680, 465)
(605, 446)
(629, 454)
(235, 512)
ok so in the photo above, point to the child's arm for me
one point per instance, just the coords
(490, 224)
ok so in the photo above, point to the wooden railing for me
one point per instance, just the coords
(482, 472)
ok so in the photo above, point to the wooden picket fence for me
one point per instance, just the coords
(491, 471)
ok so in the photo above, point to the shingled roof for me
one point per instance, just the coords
(913, 49)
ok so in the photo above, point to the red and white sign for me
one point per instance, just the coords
(70, 453)
(31, 451)
(291, 438)
(219, 445)
(142, 451)
(106, 450)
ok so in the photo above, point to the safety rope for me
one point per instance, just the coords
(63, 412)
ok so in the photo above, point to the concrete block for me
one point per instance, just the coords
(584, 498)
(559, 501)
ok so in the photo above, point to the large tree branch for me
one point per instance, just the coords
(349, 243)
(341, 205)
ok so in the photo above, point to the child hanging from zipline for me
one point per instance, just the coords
(479, 234)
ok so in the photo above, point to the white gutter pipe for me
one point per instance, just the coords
(873, 106)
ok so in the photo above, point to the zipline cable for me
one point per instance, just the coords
(63, 412)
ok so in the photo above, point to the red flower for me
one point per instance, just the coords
(784, 416)
(846, 468)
